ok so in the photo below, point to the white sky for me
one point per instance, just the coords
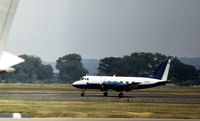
(104, 28)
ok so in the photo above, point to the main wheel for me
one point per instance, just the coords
(121, 95)
(82, 94)
(105, 94)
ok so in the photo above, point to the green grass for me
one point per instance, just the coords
(48, 88)
(99, 109)
(178, 90)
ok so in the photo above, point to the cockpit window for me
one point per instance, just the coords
(84, 79)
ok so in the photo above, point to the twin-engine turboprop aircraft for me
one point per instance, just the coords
(121, 84)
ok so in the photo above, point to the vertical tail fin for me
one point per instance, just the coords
(163, 70)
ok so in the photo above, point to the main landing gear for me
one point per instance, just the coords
(105, 94)
(121, 95)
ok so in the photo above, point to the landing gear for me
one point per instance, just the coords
(105, 94)
(121, 95)
(83, 93)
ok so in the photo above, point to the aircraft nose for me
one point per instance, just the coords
(79, 84)
(75, 84)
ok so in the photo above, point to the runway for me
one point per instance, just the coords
(94, 96)
(154, 98)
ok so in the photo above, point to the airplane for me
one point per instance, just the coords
(121, 84)
(7, 12)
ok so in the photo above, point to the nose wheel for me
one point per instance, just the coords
(83, 93)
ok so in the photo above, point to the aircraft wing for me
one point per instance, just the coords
(127, 86)
(7, 12)
(120, 86)
(7, 60)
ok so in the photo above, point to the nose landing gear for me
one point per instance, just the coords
(83, 93)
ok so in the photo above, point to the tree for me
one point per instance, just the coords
(198, 74)
(144, 64)
(45, 72)
(110, 66)
(70, 68)
(137, 64)
(180, 72)
(31, 70)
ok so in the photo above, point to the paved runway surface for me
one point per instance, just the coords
(131, 97)
(150, 97)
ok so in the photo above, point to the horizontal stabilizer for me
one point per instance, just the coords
(7, 60)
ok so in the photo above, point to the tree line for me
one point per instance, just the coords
(71, 69)
(144, 64)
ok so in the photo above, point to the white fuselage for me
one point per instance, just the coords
(120, 83)
(117, 83)
(103, 79)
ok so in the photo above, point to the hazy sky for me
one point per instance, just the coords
(101, 28)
